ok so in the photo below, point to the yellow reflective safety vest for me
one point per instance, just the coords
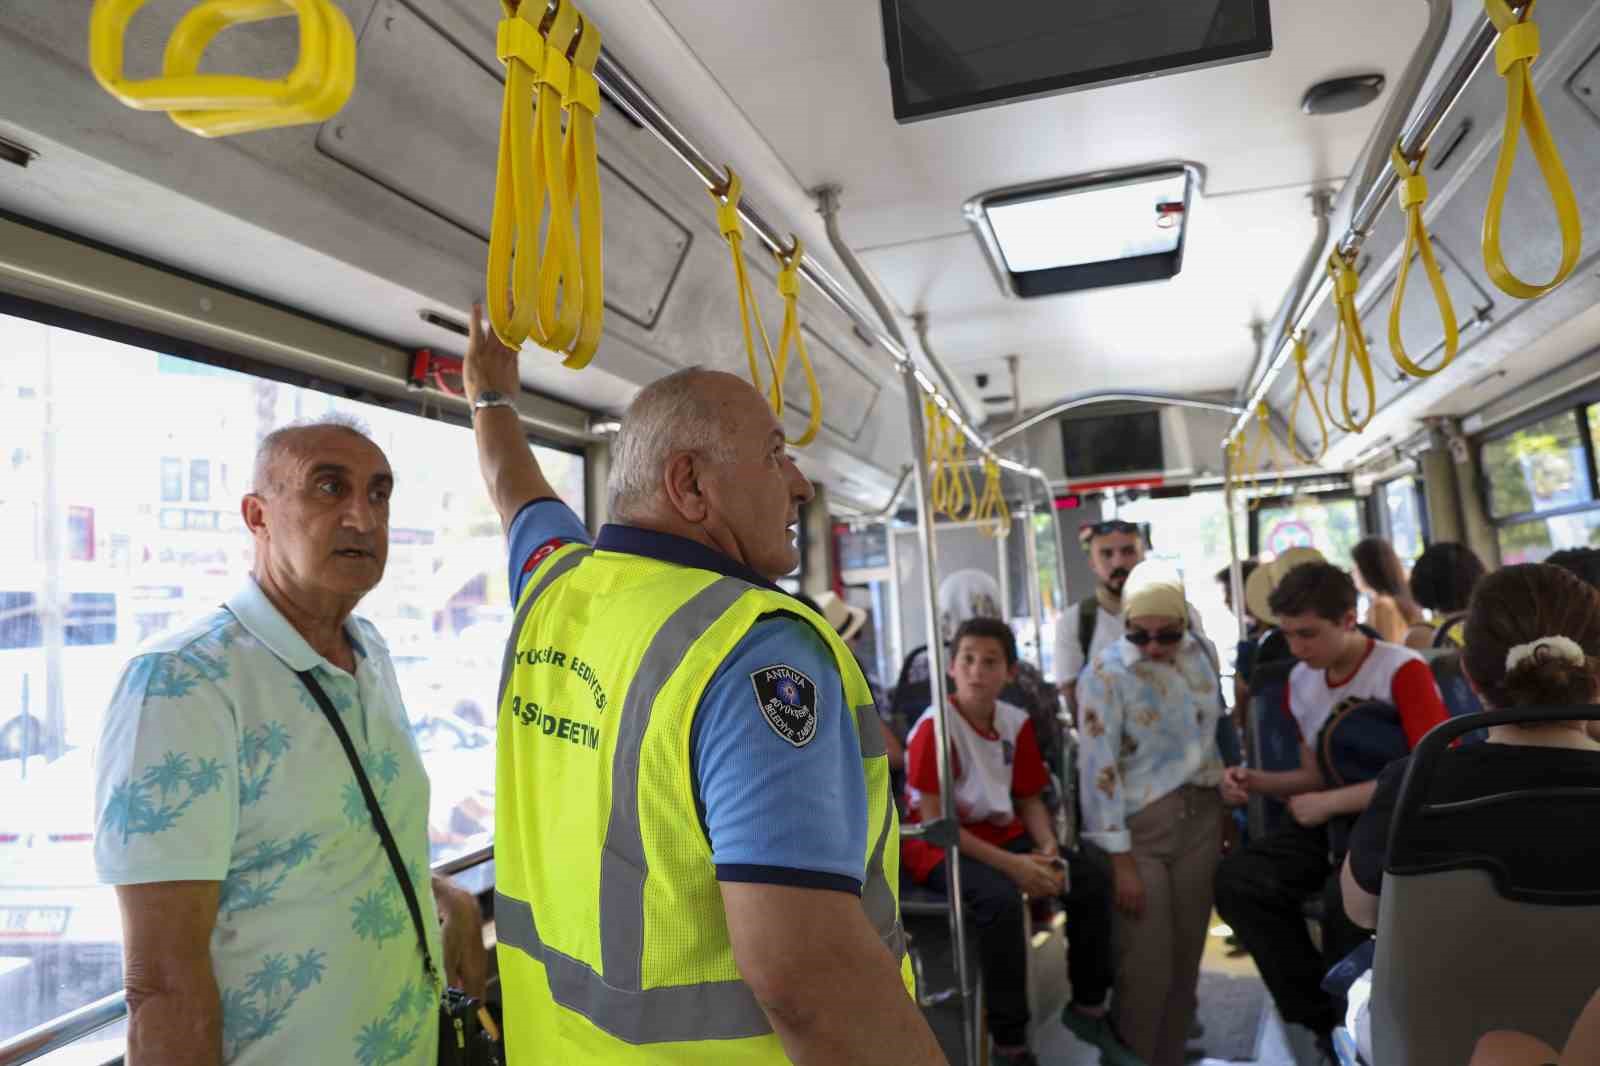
(613, 943)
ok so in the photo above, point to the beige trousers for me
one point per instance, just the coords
(1176, 846)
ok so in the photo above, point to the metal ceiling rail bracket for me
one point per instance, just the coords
(1480, 42)
(1085, 399)
(828, 207)
(1310, 269)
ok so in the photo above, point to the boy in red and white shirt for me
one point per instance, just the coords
(1261, 889)
(1008, 845)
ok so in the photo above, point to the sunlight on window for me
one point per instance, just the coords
(121, 473)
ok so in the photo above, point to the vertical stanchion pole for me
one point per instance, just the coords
(1255, 812)
(941, 708)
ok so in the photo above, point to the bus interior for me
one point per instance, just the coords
(1035, 266)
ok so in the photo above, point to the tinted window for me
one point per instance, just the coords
(1538, 468)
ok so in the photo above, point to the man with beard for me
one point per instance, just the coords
(1087, 627)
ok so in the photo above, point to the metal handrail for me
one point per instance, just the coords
(1417, 135)
(77, 1024)
(1085, 399)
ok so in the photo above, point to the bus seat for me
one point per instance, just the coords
(1274, 738)
(1455, 689)
(1469, 940)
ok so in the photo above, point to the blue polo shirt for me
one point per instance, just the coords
(773, 813)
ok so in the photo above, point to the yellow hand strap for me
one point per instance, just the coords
(789, 260)
(1354, 342)
(962, 496)
(557, 327)
(726, 197)
(1513, 57)
(1413, 196)
(939, 474)
(554, 295)
(218, 105)
(1302, 391)
(582, 290)
(992, 508)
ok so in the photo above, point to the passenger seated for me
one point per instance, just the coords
(1581, 562)
(1381, 577)
(964, 595)
(1008, 846)
(1442, 580)
(1262, 888)
(1149, 767)
(1533, 640)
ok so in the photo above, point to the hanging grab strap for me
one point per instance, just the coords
(938, 471)
(1413, 196)
(793, 336)
(726, 197)
(1513, 58)
(992, 507)
(1353, 339)
(219, 105)
(1302, 391)
(554, 295)
(579, 285)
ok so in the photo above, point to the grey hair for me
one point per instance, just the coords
(275, 445)
(671, 415)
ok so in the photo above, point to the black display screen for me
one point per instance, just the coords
(952, 55)
(1112, 444)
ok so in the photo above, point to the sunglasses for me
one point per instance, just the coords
(1139, 638)
(1110, 525)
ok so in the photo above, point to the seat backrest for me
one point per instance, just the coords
(1455, 689)
(1456, 959)
(1481, 936)
(1274, 738)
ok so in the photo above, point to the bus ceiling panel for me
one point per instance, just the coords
(1184, 335)
(435, 142)
(274, 215)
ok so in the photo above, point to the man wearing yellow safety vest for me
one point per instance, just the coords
(696, 855)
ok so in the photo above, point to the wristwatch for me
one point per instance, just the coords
(490, 398)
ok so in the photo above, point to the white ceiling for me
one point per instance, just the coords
(810, 81)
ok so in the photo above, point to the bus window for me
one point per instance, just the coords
(1330, 524)
(1405, 520)
(1541, 487)
(155, 553)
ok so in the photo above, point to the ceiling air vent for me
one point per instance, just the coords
(1087, 232)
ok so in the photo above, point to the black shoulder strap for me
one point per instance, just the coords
(1088, 618)
(379, 823)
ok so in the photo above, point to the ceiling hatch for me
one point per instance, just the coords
(1087, 232)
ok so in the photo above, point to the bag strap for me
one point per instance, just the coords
(379, 823)
(1088, 619)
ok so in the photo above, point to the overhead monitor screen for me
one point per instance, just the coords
(953, 55)
(1112, 444)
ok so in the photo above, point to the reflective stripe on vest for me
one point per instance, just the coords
(614, 998)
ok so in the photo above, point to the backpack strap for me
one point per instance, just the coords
(1088, 612)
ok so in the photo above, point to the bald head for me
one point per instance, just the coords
(282, 448)
(693, 410)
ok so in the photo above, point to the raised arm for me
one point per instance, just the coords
(174, 1008)
(510, 472)
(827, 984)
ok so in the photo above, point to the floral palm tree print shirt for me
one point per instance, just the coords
(215, 764)
(1145, 729)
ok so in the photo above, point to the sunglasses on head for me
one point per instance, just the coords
(1110, 525)
(1139, 638)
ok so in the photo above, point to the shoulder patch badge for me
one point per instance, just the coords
(788, 701)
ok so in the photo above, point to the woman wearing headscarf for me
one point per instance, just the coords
(1148, 775)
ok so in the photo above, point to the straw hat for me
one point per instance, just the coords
(1264, 580)
(845, 618)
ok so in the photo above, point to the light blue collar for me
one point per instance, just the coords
(268, 625)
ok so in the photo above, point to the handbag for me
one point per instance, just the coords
(463, 1038)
